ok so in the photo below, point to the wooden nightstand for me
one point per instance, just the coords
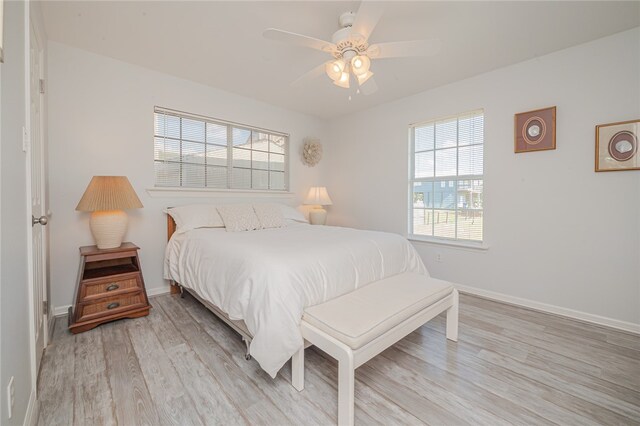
(110, 287)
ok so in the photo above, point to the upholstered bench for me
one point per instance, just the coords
(357, 326)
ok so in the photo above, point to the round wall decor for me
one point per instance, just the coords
(311, 152)
(623, 145)
(534, 130)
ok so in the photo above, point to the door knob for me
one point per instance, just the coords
(42, 220)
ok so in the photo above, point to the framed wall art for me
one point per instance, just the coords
(617, 146)
(535, 130)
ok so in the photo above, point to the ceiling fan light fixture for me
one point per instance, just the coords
(362, 78)
(335, 69)
(360, 64)
(343, 81)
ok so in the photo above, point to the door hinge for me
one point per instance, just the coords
(25, 139)
(45, 307)
(41, 86)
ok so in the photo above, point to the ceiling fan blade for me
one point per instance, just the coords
(309, 75)
(369, 87)
(298, 39)
(367, 18)
(399, 49)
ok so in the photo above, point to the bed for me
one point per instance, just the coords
(259, 282)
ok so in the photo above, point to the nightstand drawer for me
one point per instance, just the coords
(111, 305)
(105, 288)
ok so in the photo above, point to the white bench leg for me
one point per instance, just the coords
(452, 318)
(346, 391)
(297, 369)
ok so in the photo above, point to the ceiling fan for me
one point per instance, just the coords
(352, 54)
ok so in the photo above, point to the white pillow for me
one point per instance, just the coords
(270, 215)
(195, 216)
(239, 217)
(292, 213)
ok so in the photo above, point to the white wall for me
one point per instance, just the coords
(101, 123)
(14, 302)
(559, 234)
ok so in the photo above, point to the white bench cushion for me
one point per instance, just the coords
(358, 317)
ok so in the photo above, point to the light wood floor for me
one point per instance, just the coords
(182, 366)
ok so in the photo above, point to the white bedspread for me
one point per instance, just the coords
(268, 277)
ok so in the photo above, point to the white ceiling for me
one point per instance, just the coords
(220, 43)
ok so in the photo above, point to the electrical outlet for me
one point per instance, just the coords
(438, 257)
(11, 398)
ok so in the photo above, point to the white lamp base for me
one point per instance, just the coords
(318, 216)
(108, 228)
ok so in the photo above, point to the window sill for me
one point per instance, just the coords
(451, 243)
(160, 192)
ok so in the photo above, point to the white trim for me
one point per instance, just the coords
(552, 309)
(479, 245)
(178, 113)
(158, 291)
(216, 193)
(61, 311)
(33, 408)
(448, 117)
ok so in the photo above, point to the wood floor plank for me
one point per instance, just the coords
(131, 397)
(594, 395)
(371, 407)
(56, 387)
(519, 390)
(621, 372)
(212, 403)
(256, 407)
(292, 403)
(557, 324)
(569, 369)
(93, 397)
(619, 410)
(468, 391)
(510, 366)
(569, 337)
(174, 405)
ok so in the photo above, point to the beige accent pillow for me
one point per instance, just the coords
(270, 215)
(194, 216)
(239, 217)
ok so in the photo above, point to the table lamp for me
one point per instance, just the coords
(318, 197)
(106, 197)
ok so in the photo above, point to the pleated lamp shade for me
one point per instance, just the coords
(107, 197)
(318, 197)
(109, 193)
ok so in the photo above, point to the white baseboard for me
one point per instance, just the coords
(158, 291)
(60, 311)
(31, 417)
(552, 309)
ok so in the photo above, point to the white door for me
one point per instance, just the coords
(36, 184)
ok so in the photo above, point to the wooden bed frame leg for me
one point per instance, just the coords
(452, 318)
(174, 287)
(346, 390)
(297, 369)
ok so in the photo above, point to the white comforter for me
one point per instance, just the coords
(268, 277)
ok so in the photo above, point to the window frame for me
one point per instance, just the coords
(230, 126)
(441, 240)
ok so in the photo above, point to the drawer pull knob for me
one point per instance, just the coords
(113, 305)
(113, 287)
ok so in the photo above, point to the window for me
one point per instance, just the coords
(198, 152)
(446, 179)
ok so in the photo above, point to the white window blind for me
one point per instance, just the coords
(446, 179)
(199, 152)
